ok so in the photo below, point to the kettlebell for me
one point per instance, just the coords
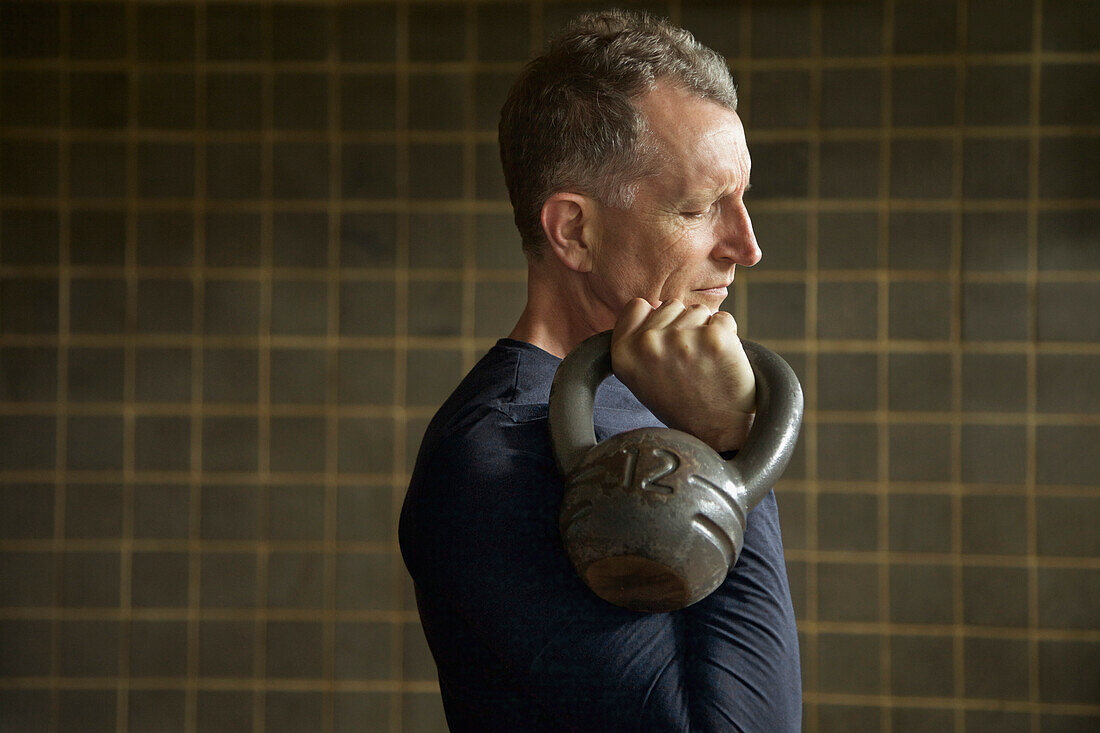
(653, 518)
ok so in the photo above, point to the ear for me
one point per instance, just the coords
(569, 221)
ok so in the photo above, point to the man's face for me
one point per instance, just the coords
(688, 228)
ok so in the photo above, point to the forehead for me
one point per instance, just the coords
(698, 138)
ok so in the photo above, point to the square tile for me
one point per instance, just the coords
(849, 663)
(847, 381)
(233, 100)
(364, 651)
(300, 32)
(365, 32)
(847, 592)
(776, 311)
(28, 374)
(714, 24)
(851, 28)
(997, 94)
(437, 32)
(924, 26)
(365, 513)
(87, 709)
(995, 596)
(438, 101)
(994, 382)
(165, 100)
(783, 29)
(299, 307)
(94, 443)
(233, 171)
(162, 375)
(98, 99)
(995, 311)
(300, 239)
(97, 237)
(1065, 454)
(230, 375)
(923, 96)
(922, 666)
(166, 32)
(994, 525)
(995, 168)
(994, 454)
(851, 97)
(232, 239)
(920, 310)
(847, 451)
(849, 168)
(158, 648)
(920, 382)
(292, 711)
(845, 310)
(920, 240)
(779, 99)
(162, 511)
(296, 513)
(29, 237)
(1064, 170)
(1064, 525)
(369, 170)
(1064, 99)
(29, 168)
(1066, 311)
(435, 171)
(497, 306)
(496, 243)
(298, 444)
(365, 377)
(26, 648)
(490, 90)
(368, 101)
(438, 308)
(921, 594)
(229, 710)
(89, 580)
(368, 240)
(847, 240)
(32, 442)
(225, 650)
(367, 309)
(1065, 240)
(365, 445)
(847, 521)
(995, 241)
(37, 93)
(295, 580)
(234, 32)
(159, 580)
(156, 709)
(162, 443)
(298, 376)
(996, 668)
(95, 375)
(300, 101)
(97, 306)
(231, 307)
(300, 170)
(26, 512)
(920, 452)
(1067, 598)
(166, 170)
(93, 511)
(293, 649)
(999, 27)
(352, 708)
(920, 523)
(165, 238)
(489, 176)
(783, 238)
(780, 169)
(841, 718)
(1067, 25)
(432, 375)
(365, 581)
(921, 169)
(103, 31)
(229, 444)
(97, 169)
(503, 32)
(228, 581)
(1067, 672)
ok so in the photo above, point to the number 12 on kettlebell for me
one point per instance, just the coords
(653, 519)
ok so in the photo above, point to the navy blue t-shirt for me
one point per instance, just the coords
(520, 642)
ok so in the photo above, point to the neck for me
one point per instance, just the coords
(557, 317)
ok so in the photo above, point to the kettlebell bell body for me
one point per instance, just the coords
(653, 519)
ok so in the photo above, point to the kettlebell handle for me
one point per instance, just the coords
(756, 467)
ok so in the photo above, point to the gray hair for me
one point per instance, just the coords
(570, 123)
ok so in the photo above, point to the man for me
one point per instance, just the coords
(627, 164)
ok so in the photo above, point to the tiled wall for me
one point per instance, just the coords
(246, 248)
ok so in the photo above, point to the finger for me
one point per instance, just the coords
(692, 317)
(632, 316)
(664, 315)
(723, 320)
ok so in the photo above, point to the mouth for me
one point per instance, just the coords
(722, 290)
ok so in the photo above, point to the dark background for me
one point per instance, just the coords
(246, 249)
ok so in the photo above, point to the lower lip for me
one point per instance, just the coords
(721, 292)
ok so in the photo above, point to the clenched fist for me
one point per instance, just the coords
(688, 367)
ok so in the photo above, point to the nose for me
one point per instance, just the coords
(736, 241)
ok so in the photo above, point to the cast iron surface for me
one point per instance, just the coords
(653, 519)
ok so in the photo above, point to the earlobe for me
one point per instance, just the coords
(568, 220)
